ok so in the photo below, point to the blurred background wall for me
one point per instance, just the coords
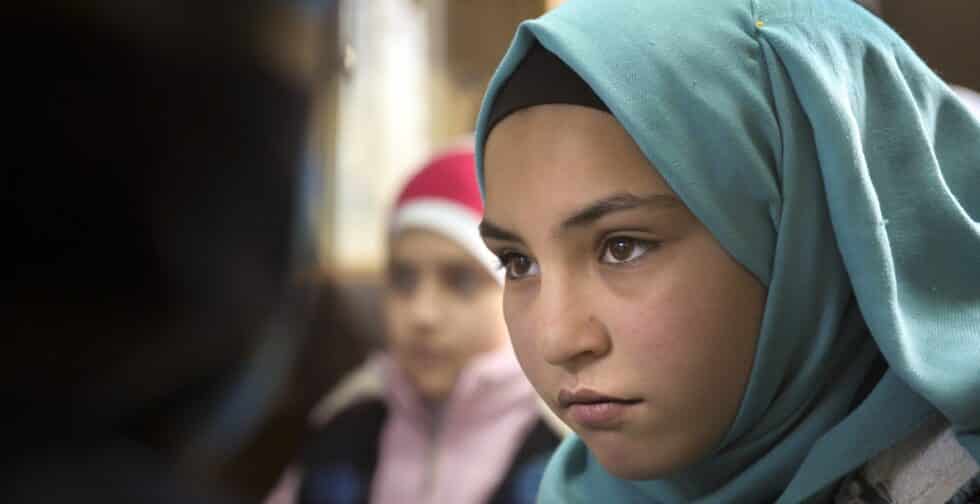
(410, 79)
(946, 33)
(404, 77)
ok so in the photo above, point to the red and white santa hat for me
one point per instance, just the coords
(444, 197)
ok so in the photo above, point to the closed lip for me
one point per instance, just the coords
(425, 354)
(568, 398)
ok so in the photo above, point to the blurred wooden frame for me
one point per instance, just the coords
(945, 33)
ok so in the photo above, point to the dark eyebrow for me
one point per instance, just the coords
(618, 203)
(489, 230)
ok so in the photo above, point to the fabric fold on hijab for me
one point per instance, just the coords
(835, 166)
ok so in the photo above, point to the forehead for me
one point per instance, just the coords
(552, 158)
(424, 246)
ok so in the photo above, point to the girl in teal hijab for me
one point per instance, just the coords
(744, 259)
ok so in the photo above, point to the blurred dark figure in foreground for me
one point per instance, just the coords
(150, 318)
(337, 340)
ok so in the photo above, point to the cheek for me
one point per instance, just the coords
(481, 315)
(472, 325)
(522, 336)
(524, 333)
(396, 321)
(690, 335)
(668, 340)
(492, 319)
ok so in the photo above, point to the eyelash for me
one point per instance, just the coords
(507, 257)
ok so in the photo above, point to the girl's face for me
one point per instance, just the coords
(442, 307)
(629, 318)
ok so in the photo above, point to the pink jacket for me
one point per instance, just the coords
(462, 459)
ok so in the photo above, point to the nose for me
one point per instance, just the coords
(423, 305)
(571, 333)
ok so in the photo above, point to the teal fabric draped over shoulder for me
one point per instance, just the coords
(836, 167)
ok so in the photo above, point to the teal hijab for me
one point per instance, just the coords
(844, 174)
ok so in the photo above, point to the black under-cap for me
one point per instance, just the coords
(541, 78)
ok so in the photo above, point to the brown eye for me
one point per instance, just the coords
(623, 249)
(402, 278)
(463, 280)
(518, 266)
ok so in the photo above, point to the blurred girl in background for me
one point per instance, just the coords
(445, 414)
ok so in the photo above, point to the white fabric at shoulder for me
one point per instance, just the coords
(364, 382)
(552, 420)
(930, 466)
(970, 97)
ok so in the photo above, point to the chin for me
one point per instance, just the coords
(629, 460)
(433, 388)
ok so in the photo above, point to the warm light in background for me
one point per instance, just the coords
(409, 79)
